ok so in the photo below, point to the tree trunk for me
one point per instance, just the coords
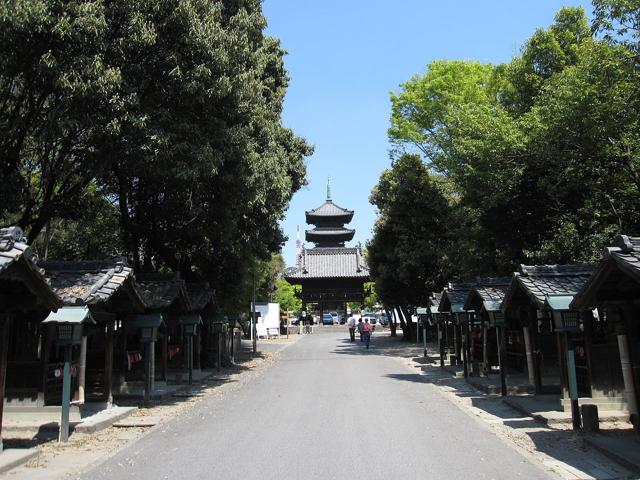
(392, 322)
(407, 327)
(413, 329)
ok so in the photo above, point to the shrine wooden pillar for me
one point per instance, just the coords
(108, 362)
(457, 340)
(164, 349)
(4, 356)
(82, 370)
(124, 363)
(197, 349)
(44, 358)
(486, 368)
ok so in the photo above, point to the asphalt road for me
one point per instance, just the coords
(326, 409)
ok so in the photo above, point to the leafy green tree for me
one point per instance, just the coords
(619, 21)
(285, 295)
(168, 110)
(56, 92)
(201, 166)
(405, 254)
(93, 233)
(526, 146)
(371, 299)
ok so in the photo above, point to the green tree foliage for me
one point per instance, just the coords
(285, 295)
(540, 154)
(371, 300)
(55, 91)
(169, 109)
(93, 233)
(405, 254)
(619, 21)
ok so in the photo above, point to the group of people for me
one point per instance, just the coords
(365, 329)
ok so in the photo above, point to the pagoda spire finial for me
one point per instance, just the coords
(328, 188)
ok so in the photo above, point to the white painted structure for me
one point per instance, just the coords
(268, 319)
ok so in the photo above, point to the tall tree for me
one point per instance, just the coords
(405, 255)
(170, 110)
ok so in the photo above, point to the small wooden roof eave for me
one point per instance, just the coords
(474, 300)
(586, 298)
(130, 288)
(71, 315)
(515, 286)
(25, 271)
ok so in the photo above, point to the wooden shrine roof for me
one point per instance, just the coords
(12, 247)
(538, 281)
(454, 296)
(91, 282)
(488, 289)
(17, 262)
(623, 256)
(160, 291)
(200, 295)
(329, 209)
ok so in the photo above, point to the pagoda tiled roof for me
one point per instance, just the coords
(625, 255)
(15, 253)
(339, 262)
(329, 209)
(538, 281)
(330, 232)
(90, 282)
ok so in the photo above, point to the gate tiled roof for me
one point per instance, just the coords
(330, 263)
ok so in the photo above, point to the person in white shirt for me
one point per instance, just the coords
(351, 323)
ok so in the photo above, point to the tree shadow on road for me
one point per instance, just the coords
(382, 344)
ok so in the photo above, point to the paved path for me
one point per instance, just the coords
(327, 409)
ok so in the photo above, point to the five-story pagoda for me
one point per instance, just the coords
(330, 273)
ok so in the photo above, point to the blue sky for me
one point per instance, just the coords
(344, 57)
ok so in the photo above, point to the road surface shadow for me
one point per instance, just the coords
(382, 343)
(560, 443)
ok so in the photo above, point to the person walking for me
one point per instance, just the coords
(360, 325)
(367, 328)
(351, 323)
